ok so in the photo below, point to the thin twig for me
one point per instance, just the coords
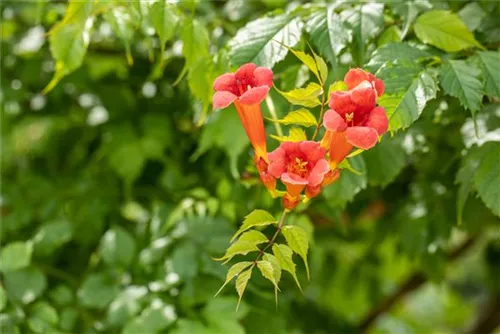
(271, 242)
(320, 121)
(274, 116)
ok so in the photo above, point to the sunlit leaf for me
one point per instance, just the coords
(241, 284)
(15, 256)
(295, 135)
(284, 255)
(298, 241)
(254, 219)
(122, 23)
(233, 272)
(307, 97)
(164, 18)
(267, 270)
(444, 30)
(253, 236)
(298, 117)
(390, 35)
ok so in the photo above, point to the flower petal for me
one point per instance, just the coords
(225, 82)
(341, 102)
(254, 95)
(379, 86)
(334, 122)
(339, 148)
(364, 95)
(312, 150)
(263, 77)
(354, 77)
(318, 173)
(377, 119)
(223, 99)
(362, 137)
(294, 183)
(245, 74)
(277, 162)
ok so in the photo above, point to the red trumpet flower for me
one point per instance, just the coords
(299, 165)
(354, 119)
(247, 88)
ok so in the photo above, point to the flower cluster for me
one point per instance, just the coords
(353, 120)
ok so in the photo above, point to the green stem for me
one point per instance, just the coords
(320, 121)
(274, 116)
(271, 242)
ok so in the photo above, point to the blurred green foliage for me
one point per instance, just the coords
(120, 185)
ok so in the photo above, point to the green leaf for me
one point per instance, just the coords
(239, 248)
(408, 11)
(195, 41)
(465, 179)
(408, 89)
(234, 271)
(126, 305)
(15, 256)
(3, 298)
(43, 318)
(298, 117)
(472, 14)
(253, 236)
(298, 241)
(365, 21)
(164, 19)
(241, 284)
(385, 161)
(254, 219)
(259, 41)
(294, 135)
(25, 285)
(315, 64)
(61, 295)
(268, 271)
(391, 51)
(487, 177)
(68, 46)
(68, 319)
(153, 319)
(327, 32)
(460, 79)
(52, 236)
(76, 12)
(490, 67)
(307, 97)
(97, 291)
(348, 185)
(337, 86)
(276, 267)
(445, 30)
(390, 35)
(221, 318)
(284, 255)
(117, 247)
(122, 24)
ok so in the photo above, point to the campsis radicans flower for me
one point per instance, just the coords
(354, 119)
(247, 88)
(300, 165)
